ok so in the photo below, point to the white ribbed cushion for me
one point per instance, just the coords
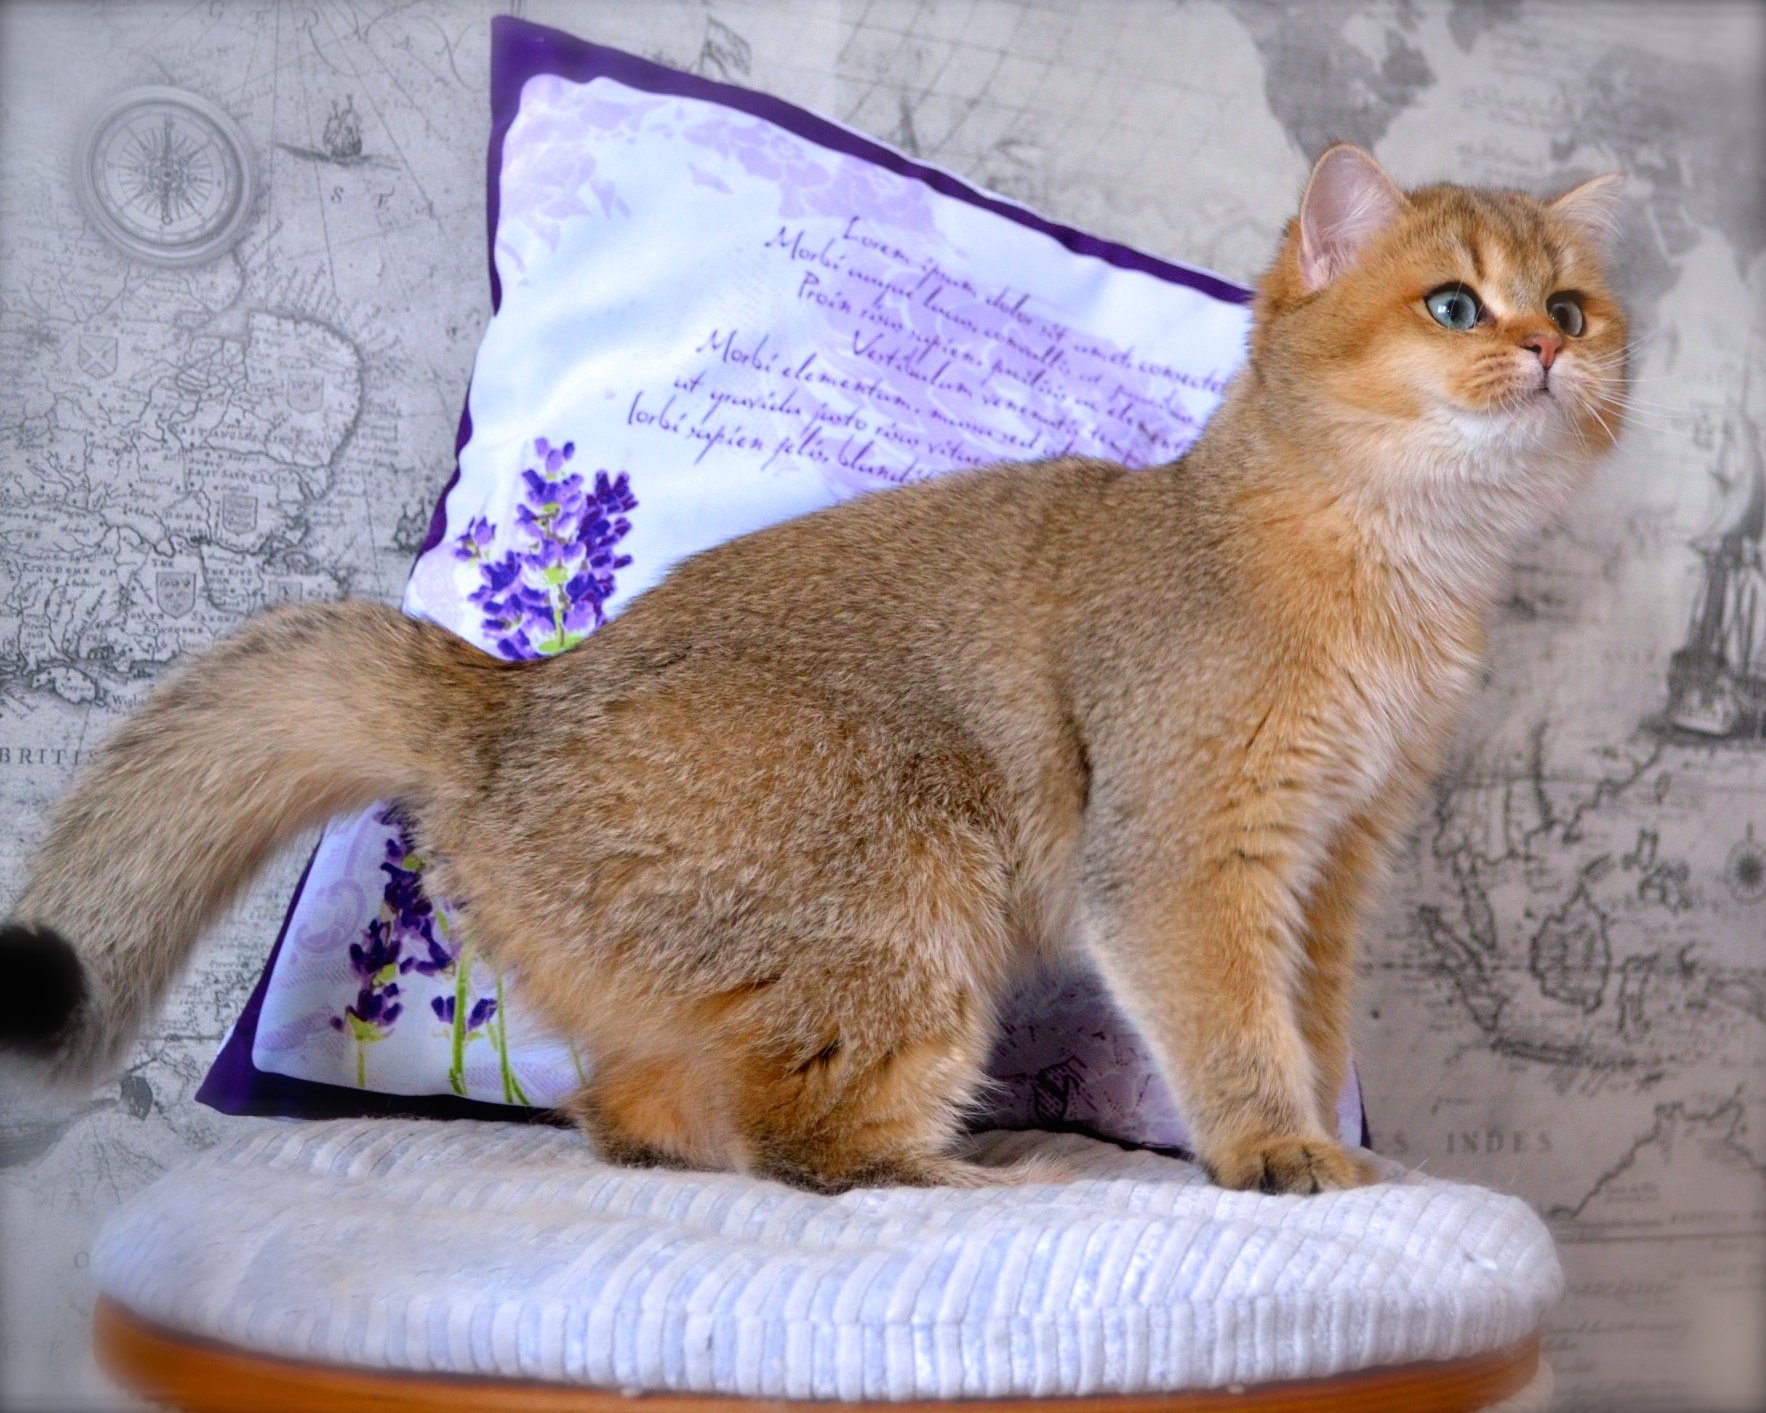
(507, 1250)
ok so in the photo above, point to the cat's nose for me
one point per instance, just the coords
(1545, 345)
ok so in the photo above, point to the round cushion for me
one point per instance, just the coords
(507, 1250)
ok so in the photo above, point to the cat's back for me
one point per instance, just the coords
(997, 601)
(941, 558)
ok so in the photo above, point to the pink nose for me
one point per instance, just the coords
(1545, 345)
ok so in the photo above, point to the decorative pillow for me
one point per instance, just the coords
(714, 311)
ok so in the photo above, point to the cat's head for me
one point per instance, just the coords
(1463, 326)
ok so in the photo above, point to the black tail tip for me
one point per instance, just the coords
(41, 986)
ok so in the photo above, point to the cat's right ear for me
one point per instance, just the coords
(1592, 208)
(1349, 200)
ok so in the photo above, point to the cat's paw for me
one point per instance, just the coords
(1286, 1164)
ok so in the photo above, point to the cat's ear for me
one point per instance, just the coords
(1593, 207)
(1349, 200)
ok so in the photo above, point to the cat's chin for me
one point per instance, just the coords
(1539, 424)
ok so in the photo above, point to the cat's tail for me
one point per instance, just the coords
(306, 712)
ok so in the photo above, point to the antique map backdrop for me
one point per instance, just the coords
(1566, 994)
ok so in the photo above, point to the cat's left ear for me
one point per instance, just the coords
(1349, 200)
(1593, 207)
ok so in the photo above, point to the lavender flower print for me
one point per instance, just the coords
(475, 543)
(467, 1020)
(411, 935)
(375, 960)
(539, 597)
(406, 918)
(487, 1017)
(445, 1009)
(541, 592)
(467, 1027)
(547, 593)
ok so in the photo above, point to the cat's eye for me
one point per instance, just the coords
(1453, 307)
(1566, 312)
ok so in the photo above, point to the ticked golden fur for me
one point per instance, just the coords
(769, 845)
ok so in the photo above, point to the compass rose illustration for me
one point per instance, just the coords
(1745, 869)
(166, 176)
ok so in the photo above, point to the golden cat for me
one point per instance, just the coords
(769, 845)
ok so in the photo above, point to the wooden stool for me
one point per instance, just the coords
(405, 1265)
(200, 1376)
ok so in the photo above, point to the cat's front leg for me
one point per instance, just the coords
(1334, 914)
(1356, 865)
(1200, 939)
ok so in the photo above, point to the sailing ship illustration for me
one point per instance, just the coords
(343, 131)
(1717, 678)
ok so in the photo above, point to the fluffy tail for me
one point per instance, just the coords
(306, 712)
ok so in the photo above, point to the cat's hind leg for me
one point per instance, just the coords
(830, 1122)
(857, 1068)
(755, 1098)
(856, 1113)
(862, 1100)
(778, 942)
(657, 1111)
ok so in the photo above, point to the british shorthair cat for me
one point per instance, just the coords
(771, 843)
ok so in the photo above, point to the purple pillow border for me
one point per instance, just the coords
(520, 51)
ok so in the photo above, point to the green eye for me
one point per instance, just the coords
(1454, 307)
(1566, 312)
